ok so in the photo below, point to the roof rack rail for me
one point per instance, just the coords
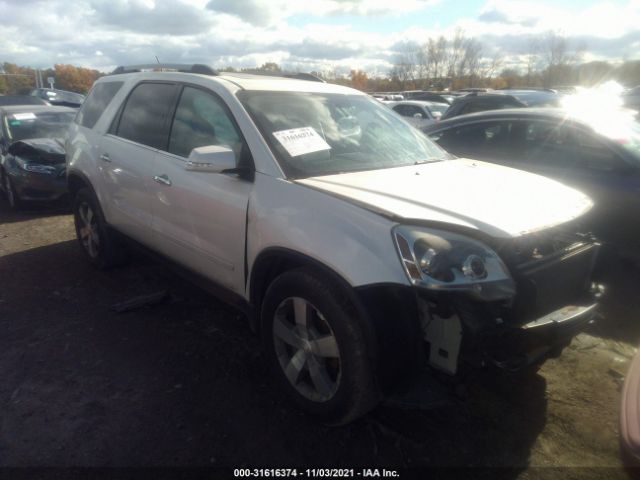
(176, 67)
(294, 75)
(304, 76)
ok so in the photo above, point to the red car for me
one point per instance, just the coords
(630, 413)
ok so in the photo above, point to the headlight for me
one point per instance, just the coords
(36, 167)
(440, 260)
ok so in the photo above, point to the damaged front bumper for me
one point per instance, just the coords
(533, 342)
(554, 300)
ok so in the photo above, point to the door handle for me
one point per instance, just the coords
(105, 157)
(163, 179)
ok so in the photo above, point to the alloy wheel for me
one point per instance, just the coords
(307, 349)
(88, 229)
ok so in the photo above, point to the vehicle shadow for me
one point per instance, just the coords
(184, 383)
(619, 306)
(494, 424)
(31, 211)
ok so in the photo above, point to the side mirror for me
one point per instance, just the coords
(212, 159)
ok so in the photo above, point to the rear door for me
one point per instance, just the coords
(126, 155)
(199, 218)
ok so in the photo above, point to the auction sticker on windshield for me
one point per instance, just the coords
(300, 141)
(24, 116)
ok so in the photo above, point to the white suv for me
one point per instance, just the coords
(361, 252)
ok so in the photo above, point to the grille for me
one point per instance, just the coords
(552, 269)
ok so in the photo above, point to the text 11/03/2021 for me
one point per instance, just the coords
(315, 473)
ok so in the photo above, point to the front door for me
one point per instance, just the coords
(199, 218)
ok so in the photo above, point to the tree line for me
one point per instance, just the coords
(19, 80)
(462, 62)
(438, 63)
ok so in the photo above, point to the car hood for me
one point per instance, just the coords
(499, 201)
(41, 150)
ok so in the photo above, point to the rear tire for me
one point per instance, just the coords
(98, 243)
(317, 348)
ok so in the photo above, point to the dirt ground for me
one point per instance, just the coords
(183, 383)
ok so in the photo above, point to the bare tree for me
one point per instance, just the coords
(532, 59)
(409, 65)
(455, 53)
(558, 58)
(437, 50)
(423, 66)
(470, 63)
(490, 65)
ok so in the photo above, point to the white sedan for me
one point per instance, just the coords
(419, 113)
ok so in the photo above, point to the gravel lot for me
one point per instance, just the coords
(184, 383)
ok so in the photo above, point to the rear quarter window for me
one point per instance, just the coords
(98, 99)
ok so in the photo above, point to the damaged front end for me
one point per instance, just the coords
(37, 169)
(510, 303)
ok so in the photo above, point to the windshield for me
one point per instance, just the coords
(25, 125)
(314, 134)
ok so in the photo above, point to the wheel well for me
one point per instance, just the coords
(75, 183)
(265, 269)
(275, 262)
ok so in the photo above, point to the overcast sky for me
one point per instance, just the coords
(302, 35)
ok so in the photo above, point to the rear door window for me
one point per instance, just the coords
(144, 116)
(100, 96)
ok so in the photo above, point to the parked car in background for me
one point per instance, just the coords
(479, 102)
(6, 100)
(631, 98)
(419, 113)
(438, 97)
(535, 97)
(61, 98)
(360, 251)
(566, 89)
(475, 90)
(32, 155)
(598, 154)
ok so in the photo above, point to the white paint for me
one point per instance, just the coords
(500, 201)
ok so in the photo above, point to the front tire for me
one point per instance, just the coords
(12, 197)
(317, 347)
(98, 243)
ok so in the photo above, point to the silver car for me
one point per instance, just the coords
(361, 252)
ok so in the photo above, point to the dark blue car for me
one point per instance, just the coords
(598, 153)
